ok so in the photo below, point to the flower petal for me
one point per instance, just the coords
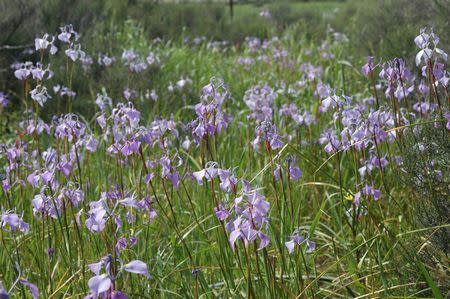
(99, 284)
(137, 267)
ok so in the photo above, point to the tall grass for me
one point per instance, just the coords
(365, 245)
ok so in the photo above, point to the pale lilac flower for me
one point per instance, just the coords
(137, 267)
(63, 91)
(68, 35)
(267, 135)
(297, 239)
(330, 101)
(259, 99)
(367, 69)
(118, 295)
(251, 209)
(120, 245)
(129, 56)
(447, 118)
(209, 173)
(183, 83)
(294, 171)
(23, 70)
(170, 87)
(32, 287)
(97, 215)
(153, 59)
(14, 221)
(424, 40)
(86, 62)
(151, 94)
(265, 13)
(211, 118)
(91, 143)
(105, 60)
(74, 195)
(245, 60)
(74, 52)
(38, 73)
(3, 292)
(138, 66)
(221, 212)
(4, 101)
(371, 191)
(43, 43)
(129, 94)
(99, 284)
(40, 95)
(228, 181)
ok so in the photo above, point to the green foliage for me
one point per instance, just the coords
(386, 27)
(377, 254)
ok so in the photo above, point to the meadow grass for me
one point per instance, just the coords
(141, 195)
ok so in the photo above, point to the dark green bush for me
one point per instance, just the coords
(427, 165)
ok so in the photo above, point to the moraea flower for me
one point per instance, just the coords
(14, 221)
(137, 267)
(32, 287)
(99, 284)
(297, 239)
(40, 95)
(118, 295)
(3, 292)
(4, 101)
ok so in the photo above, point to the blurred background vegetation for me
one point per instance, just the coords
(384, 28)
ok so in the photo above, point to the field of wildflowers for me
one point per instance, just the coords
(274, 168)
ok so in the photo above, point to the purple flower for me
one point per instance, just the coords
(40, 95)
(96, 267)
(128, 56)
(209, 173)
(227, 180)
(367, 69)
(68, 35)
(137, 267)
(370, 191)
(32, 287)
(43, 43)
(121, 245)
(38, 73)
(91, 143)
(251, 209)
(297, 239)
(23, 70)
(151, 94)
(265, 14)
(105, 60)
(14, 221)
(97, 216)
(267, 134)
(259, 99)
(447, 118)
(424, 40)
(4, 101)
(99, 284)
(152, 59)
(118, 295)
(294, 171)
(332, 142)
(221, 212)
(3, 292)
(74, 52)
(194, 272)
